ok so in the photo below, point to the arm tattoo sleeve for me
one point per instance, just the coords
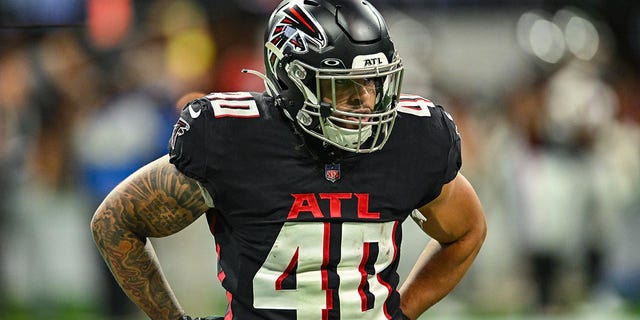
(156, 201)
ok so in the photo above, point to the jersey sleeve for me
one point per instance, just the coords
(454, 160)
(449, 158)
(188, 143)
(438, 142)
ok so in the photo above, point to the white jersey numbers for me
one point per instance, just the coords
(302, 251)
(302, 244)
(415, 105)
(233, 104)
(359, 267)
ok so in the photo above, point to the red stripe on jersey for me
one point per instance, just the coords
(395, 254)
(221, 274)
(363, 274)
(393, 239)
(325, 256)
(229, 315)
(287, 272)
(325, 274)
(388, 286)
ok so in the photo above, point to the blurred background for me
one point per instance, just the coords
(546, 95)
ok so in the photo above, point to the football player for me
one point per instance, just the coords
(306, 185)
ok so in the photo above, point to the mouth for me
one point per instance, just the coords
(352, 117)
(352, 122)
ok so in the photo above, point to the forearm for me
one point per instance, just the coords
(438, 270)
(135, 267)
(156, 201)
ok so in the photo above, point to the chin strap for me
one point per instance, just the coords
(348, 138)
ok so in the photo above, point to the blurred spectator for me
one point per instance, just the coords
(14, 100)
(619, 181)
(128, 128)
(44, 209)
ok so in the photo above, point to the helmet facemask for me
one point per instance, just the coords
(351, 109)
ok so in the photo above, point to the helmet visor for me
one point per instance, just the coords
(358, 97)
(372, 88)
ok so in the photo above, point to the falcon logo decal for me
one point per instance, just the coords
(179, 129)
(296, 29)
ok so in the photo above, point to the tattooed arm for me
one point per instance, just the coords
(155, 201)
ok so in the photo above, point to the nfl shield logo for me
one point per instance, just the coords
(332, 172)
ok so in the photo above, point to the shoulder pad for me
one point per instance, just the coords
(187, 144)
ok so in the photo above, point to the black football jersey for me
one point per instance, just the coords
(299, 237)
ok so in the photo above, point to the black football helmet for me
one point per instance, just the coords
(318, 51)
